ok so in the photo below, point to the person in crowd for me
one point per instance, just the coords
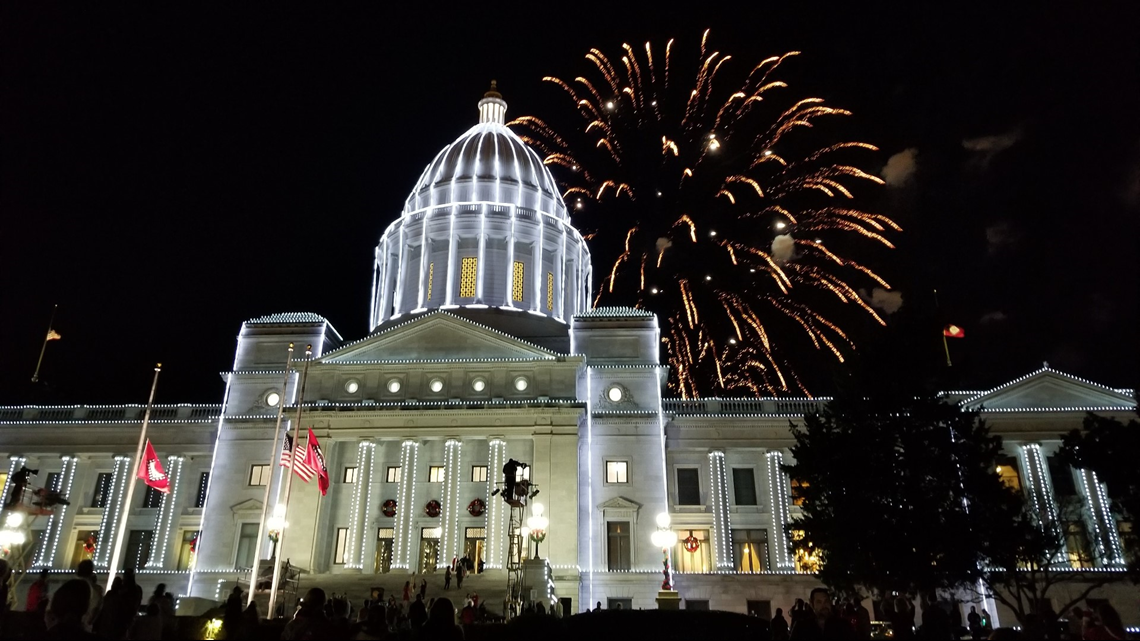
(447, 579)
(799, 614)
(1105, 623)
(987, 623)
(149, 626)
(66, 615)
(250, 621)
(86, 571)
(417, 612)
(460, 573)
(475, 599)
(107, 624)
(779, 626)
(974, 623)
(598, 607)
(310, 621)
(232, 619)
(38, 593)
(825, 622)
(862, 618)
(407, 592)
(7, 589)
(423, 589)
(441, 622)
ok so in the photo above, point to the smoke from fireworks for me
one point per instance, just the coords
(711, 201)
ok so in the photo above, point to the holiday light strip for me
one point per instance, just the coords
(447, 509)
(70, 463)
(352, 559)
(14, 463)
(166, 511)
(366, 525)
(47, 532)
(106, 528)
(1117, 552)
(778, 496)
(438, 312)
(1043, 370)
(402, 506)
(494, 505)
(209, 482)
(456, 496)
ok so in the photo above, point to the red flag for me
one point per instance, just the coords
(151, 472)
(954, 331)
(315, 459)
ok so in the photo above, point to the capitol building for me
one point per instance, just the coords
(484, 347)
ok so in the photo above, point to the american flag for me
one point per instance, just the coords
(302, 469)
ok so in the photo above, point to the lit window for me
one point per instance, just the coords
(341, 545)
(614, 394)
(479, 473)
(479, 384)
(694, 551)
(272, 399)
(807, 556)
(521, 383)
(260, 474)
(435, 474)
(351, 387)
(394, 385)
(468, 271)
(431, 272)
(549, 291)
(518, 282)
(1077, 544)
(350, 475)
(617, 472)
(751, 550)
(394, 474)
(436, 385)
(1007, 470)
(798, 488)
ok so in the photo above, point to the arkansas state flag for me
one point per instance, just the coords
(151, 472)
(315, 459)
(953, 331)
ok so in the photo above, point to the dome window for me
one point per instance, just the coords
(436, 385)
(272, 399)
(615, 394)
(479, 384)
(521, 383)
(352, 387)
(394, 385)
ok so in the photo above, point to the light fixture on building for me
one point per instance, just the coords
(272, 399)
(351, 387)
(614, 393)
(394, 385)
(479, 384)
(781, 224)
(537, 524)
(664, 537)
(436, 385)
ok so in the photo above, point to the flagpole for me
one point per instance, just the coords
(945, 345)
(36, 376)
(265, 500)
(117, 544)
(289, 482)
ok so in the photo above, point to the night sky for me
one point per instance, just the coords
(166, 176)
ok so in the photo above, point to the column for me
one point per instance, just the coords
(166, 511)
(539, 272)
(722, 525)
(409, 460)
(361, 497)
(14, 464)
(1108, 548)
(496, 508)
(56, 521)
(778, 501)
(453, 464)
(111, 513)
(1040, 489)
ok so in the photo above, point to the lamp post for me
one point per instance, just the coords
(275, 524)
(537, 524)
(12, 534)
(665, 538)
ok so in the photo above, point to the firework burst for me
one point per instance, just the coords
(712, 201)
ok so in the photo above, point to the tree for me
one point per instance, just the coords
(1111, 449)
(887, 484)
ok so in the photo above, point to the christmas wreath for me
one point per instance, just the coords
(89, 545)
(692, 544)
(476, 507)
(433, 508)
(388, 509)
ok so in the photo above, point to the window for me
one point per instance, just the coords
(203, 485)
(102, 492)
(436, 385)
(617, 538)
(798, 487)
(138, 549)
(744, 485)
(696, 604)
(51, 482)
(613, 603)
(341, 545)
(617, 472)
(1077, 544)
(247, 545)
(384, 537)
(3, 482)
(152, 498)
(431, 272)
(806, 556)
(700, 559)
(468, 271)
(521, 383)
(394, 474)
(479, 473)
(1062, 478)
(759, 609)
(185, 557)
(751, 550)
(1007, 470)
(394, 385)
(260, 474)
(688, 486)
(518, 282)
(352, 386)
(350, 474)
(549, 291)
(479, 384)
(435, 474)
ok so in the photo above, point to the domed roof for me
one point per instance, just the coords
(487, 165)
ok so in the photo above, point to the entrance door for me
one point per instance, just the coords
(473, 546)
(429, 549)
(384, 537)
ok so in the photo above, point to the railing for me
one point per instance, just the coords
(125, 413)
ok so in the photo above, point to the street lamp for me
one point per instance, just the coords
(665, 538)
(275, 524)
(537, 524)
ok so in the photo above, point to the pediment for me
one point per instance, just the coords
(619, 503)
(1049, 389)
(247, 506)
(437, 336)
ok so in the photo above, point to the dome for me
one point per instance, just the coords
(485, 227)
(487, 164)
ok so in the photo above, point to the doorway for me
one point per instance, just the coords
(384, 537)
(474, 545)
(429, 549)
